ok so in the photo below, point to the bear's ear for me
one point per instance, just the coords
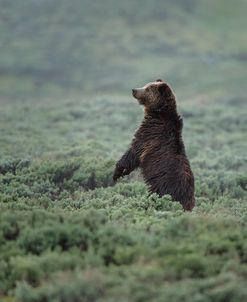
(163, 89)
(159, 80)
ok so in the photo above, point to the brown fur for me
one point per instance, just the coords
(157, 147)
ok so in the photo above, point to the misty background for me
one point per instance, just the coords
(86, 47)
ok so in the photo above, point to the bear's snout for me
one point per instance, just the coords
(138, 93)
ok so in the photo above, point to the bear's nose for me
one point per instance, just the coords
(133, 91)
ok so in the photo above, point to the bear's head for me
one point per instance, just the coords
(155, 96)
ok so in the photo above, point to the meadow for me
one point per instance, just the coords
(67, 232)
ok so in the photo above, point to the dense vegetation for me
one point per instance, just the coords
(67, 233)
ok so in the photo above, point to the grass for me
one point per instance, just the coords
(62, 219)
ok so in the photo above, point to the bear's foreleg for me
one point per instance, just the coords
(128, 162)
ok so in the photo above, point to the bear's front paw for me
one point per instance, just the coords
(119, 172)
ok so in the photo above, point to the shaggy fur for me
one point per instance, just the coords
(157, 147)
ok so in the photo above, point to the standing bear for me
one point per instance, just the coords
(157, 147)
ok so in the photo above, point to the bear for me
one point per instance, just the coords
(158, 148)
